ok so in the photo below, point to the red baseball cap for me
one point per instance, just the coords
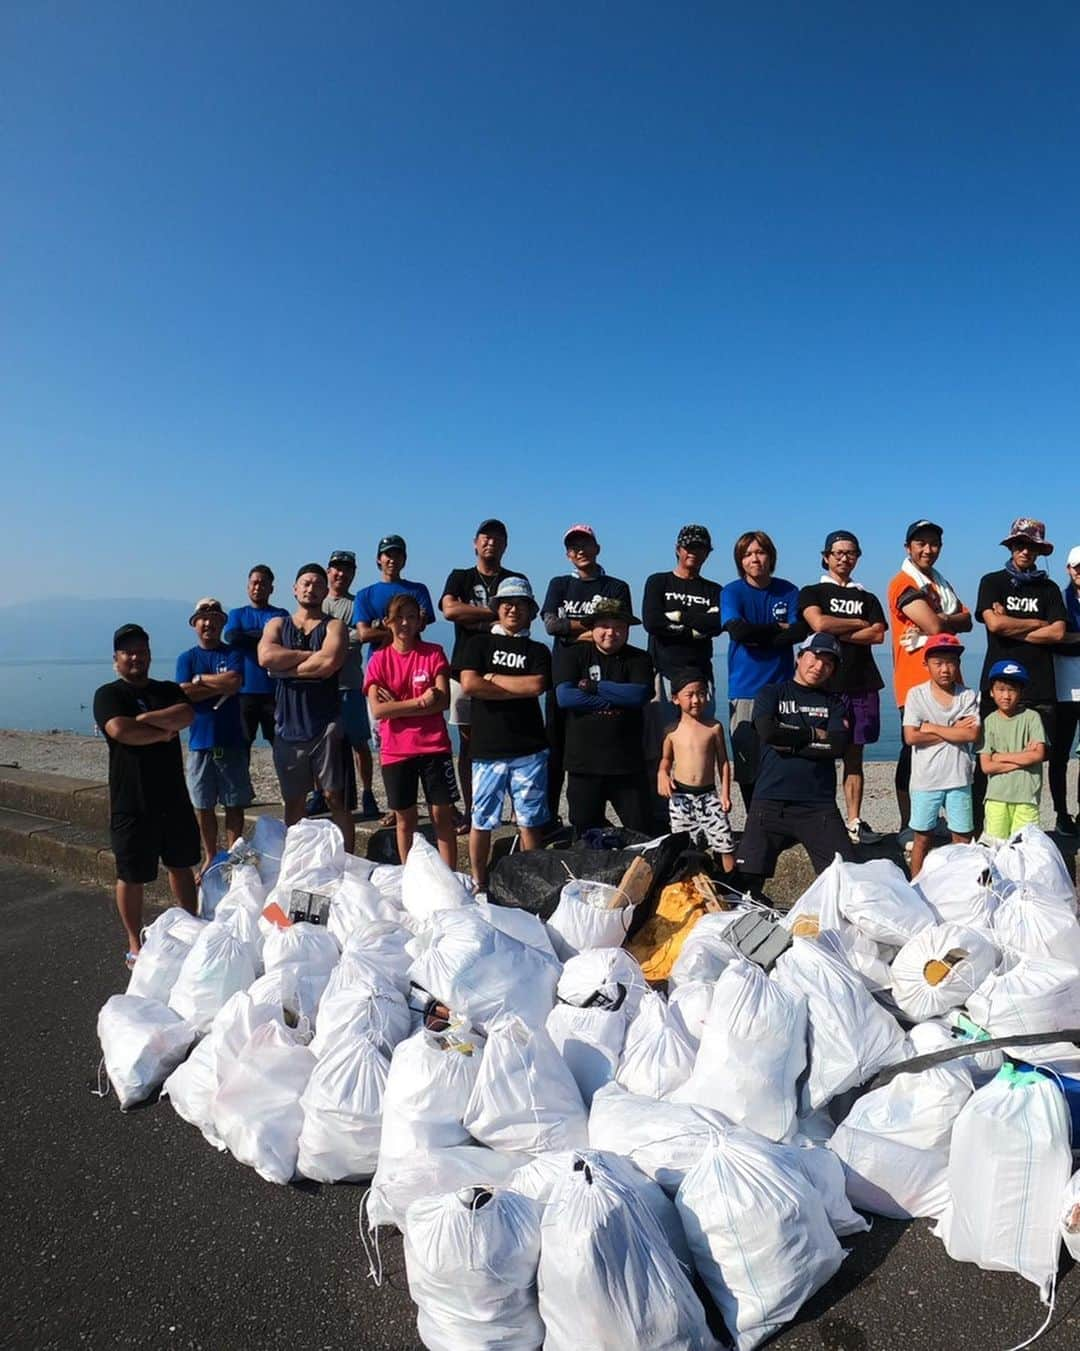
(579, 530)
(943, 642)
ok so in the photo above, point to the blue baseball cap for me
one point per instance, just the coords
(822, 642)
(1011, 671)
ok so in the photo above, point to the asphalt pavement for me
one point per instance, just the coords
(128, 1230)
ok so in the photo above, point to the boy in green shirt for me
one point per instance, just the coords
(1011, 754)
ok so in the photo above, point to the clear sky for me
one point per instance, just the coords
(282, 277)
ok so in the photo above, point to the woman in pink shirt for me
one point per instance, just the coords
(408, 688)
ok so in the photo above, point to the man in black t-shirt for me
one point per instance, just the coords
(150, 815)
(467, 603)
(837, 604)
(602, 686)
(1025, 616)
(681, 610)
(803, 733)
(568, 603)
(505, 673)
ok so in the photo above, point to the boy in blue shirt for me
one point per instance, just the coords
(243, 629)
(372, 603)
(211, 675)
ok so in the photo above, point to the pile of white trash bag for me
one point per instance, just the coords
(565, 1148)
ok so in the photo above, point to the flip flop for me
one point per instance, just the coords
(387, 820)
(130, 958)
(463, 826)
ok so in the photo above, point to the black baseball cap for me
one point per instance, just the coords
(492, 526)
(311, 567)
(342, 558)
(923, 527)
(834, 535)
(389, 542)
(693, 536)
(126, 632)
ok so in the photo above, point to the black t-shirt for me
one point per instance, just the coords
(503, 729)
(794, 777)
(698, 601)
(857, 670)
(141, 778)
(571, 597)
(1040, 599)
(472, 587)
(604, 741)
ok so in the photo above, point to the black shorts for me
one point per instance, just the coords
(257, 714)
(139, 841)
(403, 778)
(771, 827)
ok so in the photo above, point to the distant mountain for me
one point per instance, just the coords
(58, 628)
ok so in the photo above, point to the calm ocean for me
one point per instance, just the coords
(43, 696)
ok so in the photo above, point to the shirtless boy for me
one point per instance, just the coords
(693, 751)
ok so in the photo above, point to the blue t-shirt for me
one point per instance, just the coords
(752, 666)
(243, 629)
(371, 603)
(212, 726)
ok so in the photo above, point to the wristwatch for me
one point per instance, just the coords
(196, 679)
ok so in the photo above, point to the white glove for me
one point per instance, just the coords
(675, 616)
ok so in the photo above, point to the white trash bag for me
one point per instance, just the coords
(657, 1057)
(957, 884)
(588, 916)
(1031, 856)
(376, 1012)
(342, 1106)
(142, 1042)
(313, 859)
(524, 1098)
(851, 1036)
(1009, 1161)
(759, 1234)
(480, 972)
(246, 891)
(662, 1139)
(382, 944)
(257, 1109)
(1033, 995)
(939, 968)
(541, 1175)
(608, 978)
(1034, 925)
(1070, 1217)
(706, 950)
(428, 885)
(881, 903)
(354, 905)
(517, 923)
(431, 1078)
(218, 964)
(191, 1089)
(608, 1279)
(268, 845)
(590, 1041)
(753, 1049)
(165, 944)
(894, 1142)
(471, 1257)
(309, 953)
(817, 914)
(689, 1006)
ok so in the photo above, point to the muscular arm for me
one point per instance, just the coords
(1047, 633)
(273, 656)
(212, 686)
(1006, 626)
(172, 719)
(330, 658)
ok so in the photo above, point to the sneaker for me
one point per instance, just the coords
(1065, 825)
(369, 808)
(860, 833)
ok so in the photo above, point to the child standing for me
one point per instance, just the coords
(693, 751)
(1011, 753)
(941, 725)
(408, 687)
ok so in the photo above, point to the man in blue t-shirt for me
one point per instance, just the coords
(759, 613)
(567, 609)
(243, 629)
(211, 675)
(369, 611)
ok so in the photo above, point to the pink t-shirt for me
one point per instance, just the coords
(407, 675)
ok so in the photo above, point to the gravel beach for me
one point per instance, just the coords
(86, 757)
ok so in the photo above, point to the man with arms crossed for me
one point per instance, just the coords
(339, 603)
(217, 762)
(243, 629)
(150, 812)
(304, 653)
(921, 604)
(467, 603)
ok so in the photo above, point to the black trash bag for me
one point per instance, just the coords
(382, 843)
(533, 880)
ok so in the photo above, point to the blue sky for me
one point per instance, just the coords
(282, 277)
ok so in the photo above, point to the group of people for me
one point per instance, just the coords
(628, 728)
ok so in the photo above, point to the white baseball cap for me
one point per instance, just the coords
(1073, 559)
